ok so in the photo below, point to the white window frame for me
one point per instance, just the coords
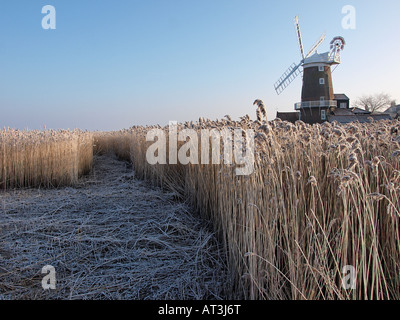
(321, 81)
(323, 114)
(321, 68)
(343, 105)
(322, 99)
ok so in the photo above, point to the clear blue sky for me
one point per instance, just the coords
(113, 64)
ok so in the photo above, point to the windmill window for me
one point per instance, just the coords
(321, 68)
(323, 115)
(322, 99)
(321, 81)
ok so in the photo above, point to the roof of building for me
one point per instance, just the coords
(341, 96)
(318, 58)
(394, 109)
(362, 118)
(288, 116)
(357, 110)
(342, 112)
(349, 111)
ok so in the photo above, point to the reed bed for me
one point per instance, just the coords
(116, 142)
(321, 198)
(50, 158)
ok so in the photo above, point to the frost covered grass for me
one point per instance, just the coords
(108, 237)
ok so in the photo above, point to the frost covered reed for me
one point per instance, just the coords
(51, 158)
(321, 198)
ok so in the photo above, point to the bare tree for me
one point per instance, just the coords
(374, 103)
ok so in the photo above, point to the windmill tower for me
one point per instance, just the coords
(317, 97)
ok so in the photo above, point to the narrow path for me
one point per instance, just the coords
(110, 237)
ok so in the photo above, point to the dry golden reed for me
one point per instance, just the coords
(50, 158)
(321, 198)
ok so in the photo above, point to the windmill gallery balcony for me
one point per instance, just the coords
(315, 104)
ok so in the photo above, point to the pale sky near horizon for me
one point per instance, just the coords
(109, 65)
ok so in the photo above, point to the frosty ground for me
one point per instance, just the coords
(109, 237)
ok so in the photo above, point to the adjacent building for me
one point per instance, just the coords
(336, 110)
(394, 112)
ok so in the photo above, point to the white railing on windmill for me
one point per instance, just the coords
(315, 104)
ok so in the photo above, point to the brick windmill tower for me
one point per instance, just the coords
(317, 96)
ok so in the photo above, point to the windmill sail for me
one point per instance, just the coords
(291, 73)
(327, 59)
(297, 25)
(316, 45)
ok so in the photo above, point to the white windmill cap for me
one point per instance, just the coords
(319, 58)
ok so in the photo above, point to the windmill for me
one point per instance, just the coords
(317, 88)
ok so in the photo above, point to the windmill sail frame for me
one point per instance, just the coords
(287, 78)
(294, 70)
